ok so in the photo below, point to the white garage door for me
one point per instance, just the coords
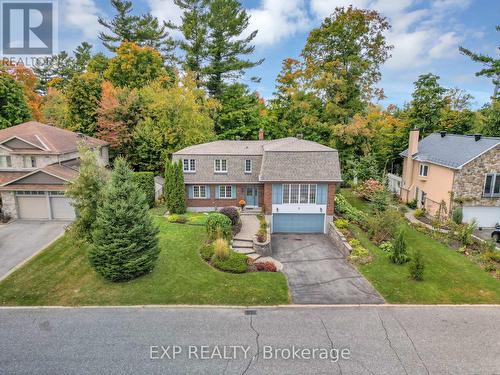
(486, 217)
(61, 208)
(32, 207)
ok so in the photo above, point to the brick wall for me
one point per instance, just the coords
(268, 198)
(330, 199)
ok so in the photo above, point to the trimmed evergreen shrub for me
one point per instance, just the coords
(146, 183)
(175, 191)
(125, 239)
(399, 255)
(458, 215)
(232, 213)
(218, 223)
(417, 267)
(235, 263)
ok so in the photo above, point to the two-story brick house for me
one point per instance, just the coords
(454, 169)
(292, 180)
(36, 163)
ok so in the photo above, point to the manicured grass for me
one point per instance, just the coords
(449, 277)
(194, 217)
(61, 275)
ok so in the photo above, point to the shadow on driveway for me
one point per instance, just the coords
(318, 273)
(21, 239)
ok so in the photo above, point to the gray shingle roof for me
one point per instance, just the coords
(286, 159)
(301, 166)
(452, 150)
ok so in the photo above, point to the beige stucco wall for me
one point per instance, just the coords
(438, 185)
(17, 161)
(469, 181)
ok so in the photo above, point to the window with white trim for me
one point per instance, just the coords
(220, 165)
(5, 161)
(248, 166)
(225, 191)
(199, 191)
(299, 193)
(492, 186)
(189, 165)
(424, 170)
(29, 162)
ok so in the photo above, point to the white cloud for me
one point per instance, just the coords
(81, 15)
(277, 20)
(166, 10)
(446, 46)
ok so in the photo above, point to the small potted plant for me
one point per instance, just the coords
(242, 203)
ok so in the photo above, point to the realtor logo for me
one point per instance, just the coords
(27, 27)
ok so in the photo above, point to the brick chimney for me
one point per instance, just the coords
(408, 165)
(261, 134)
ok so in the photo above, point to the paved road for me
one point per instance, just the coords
(21, 239)
(318, 273)
(380, 339)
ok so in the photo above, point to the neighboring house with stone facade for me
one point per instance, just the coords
(37, 161)
(291, 179)
(443, 170)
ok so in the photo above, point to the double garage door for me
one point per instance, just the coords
(44, 206)
(298, 223)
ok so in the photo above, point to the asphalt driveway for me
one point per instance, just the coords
(318, 273)
(21, 239)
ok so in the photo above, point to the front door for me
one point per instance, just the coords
(251, 196)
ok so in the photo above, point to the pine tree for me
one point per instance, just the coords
(143, 30)
(194, 28)
(226, 21)
(399, 255)
(125, 241)
(86, 192)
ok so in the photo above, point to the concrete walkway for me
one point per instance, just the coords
(250, 227)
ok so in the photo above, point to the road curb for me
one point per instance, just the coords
(271, 307)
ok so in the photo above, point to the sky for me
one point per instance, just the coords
(425, 35)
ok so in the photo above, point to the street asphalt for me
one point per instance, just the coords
(364, 340)
(21, 239)
(318, 273)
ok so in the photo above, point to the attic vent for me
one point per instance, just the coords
(443, 134)
(477, 137)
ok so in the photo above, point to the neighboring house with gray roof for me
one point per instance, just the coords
(454, 169)
(37, 161)
(291, 179)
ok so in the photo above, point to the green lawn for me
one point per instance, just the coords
(61, 275)
(449, 277)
